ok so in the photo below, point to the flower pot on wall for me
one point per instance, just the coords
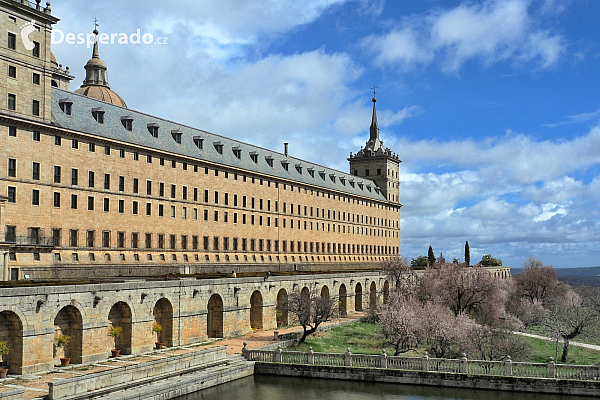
(159, 345)
(65, 361)
(115, 352)
(3, 372)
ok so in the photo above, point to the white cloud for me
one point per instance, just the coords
(576, 119)
(489, 31)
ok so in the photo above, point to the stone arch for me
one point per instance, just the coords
(358, 297)
(163, 315)
(281, 309)
(343, 296)
(305, 294)
(386, 292)
(325, 292)
(69, 322)
(11, 332)
(256, 310)
(214, 318)
(120, 317)
(373, 296)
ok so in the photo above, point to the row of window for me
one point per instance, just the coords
(215, 243)
(196, 168)
(12, 104)
(12, 73)
(12, 44)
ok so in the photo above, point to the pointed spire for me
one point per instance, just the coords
(374, 124)
(95, 52)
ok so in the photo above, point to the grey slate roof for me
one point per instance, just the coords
(82, 120)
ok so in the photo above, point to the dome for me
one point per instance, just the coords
(101, 93)
(95, 62)
(53, 59)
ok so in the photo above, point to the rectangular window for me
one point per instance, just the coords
(226, 200)
(121, 183)
(57, 140)
(216, 216)
(148, 241)
(74, 201)
(36, 79)
(216, 197)
(91, 179)
(12, 131)
(216, 243)
(73, 236)
(205, 242)
(161, 189)
(172, 211)
(134, 239)
(206, 196)
(56, 201)
(149, 188)
(194, 242)
(121, 206)
(90, 236)
(12, 167)
(225, 216)
(173, 190)
(35, 107)
(107, 150)
(36, 49)
(235, 197)
(148, 208)
(135, 185)
(35, 197)
(35, 136)
(195, 194)
(161, 241)
(225, 243)
(92, 147)
(74, 176)
(184, 239)
(184, 192)
(74, 143)
(91, 203)
(136, 156)
(122, 153)
(161, 210)
(106, 204)
(12, 102)
(172, 241)
(120, 239)
(12, 71)
(206, 215)
(107, 181)
(134, 207)
(149, 159)
(184, 213)
(12, 41)
(105, 238)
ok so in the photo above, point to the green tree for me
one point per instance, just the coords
(489, 261)
(431, 256)
(419, 262)
(467, 254)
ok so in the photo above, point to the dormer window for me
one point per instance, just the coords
(299, 168)
(368, 187)
(343, 180)
(198, 142)
(322, 174)
(360, 185)
(65, 105)
(254, 156)
(269, 161)
(377, 190)
(351, 181)
(218, 147)
(311, 172)
(285, 164)
(237, 151)
(332, 177)
(98, 115)
(153, 129)
(127, 122)
(176, 134)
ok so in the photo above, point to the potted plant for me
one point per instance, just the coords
(4, 349)
(115, 332)
(157, 328)
(62, 341)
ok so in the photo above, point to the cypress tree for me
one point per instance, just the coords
(467, 253)
(431, 256)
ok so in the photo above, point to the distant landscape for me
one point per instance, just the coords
(589, 276)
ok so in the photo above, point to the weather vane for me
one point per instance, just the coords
(374, 90)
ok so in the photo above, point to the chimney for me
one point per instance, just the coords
(285, 149)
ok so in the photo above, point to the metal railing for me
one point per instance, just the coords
(26, 240)
(463, 365)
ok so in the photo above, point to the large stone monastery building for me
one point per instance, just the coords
(92, 188)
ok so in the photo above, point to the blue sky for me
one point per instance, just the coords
(493, 105)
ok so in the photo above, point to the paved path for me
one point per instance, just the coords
(578, 344)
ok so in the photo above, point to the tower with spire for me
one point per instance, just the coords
(378, 163)
(95, 83)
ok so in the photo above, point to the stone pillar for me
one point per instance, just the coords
(508, 366)
(551, 368)
(245, 350)
(425, 362)
(348, 358)
(277, 356)
(383, 359)
(311, 356)
(5, 270)
(463, 363)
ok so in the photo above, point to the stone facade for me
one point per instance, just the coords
(189, 311)
(96, 189)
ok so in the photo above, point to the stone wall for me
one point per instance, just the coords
(189, 310)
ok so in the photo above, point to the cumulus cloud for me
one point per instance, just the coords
(489, 31)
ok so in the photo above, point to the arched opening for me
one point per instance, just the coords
(373, 296)
(53, 83)
(343, 307)
(281, 309)
(163, 316)
(214, 320)
(11, 332)
(256, 310)
(386, 292)
(69, 322)
(120, 317)
(305, 294)
(325, 292)
(358, 297)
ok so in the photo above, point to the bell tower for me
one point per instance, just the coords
(377, 163)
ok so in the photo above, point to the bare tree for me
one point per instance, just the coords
(538, 282)
(570, 316)
(487, 343)
(398, 270)
(310, 310)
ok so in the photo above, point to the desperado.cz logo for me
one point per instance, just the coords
(89, 39)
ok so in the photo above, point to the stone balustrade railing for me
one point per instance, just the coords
(507, 367)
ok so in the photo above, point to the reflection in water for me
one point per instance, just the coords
(262, 387)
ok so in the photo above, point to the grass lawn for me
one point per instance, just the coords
(363, 338)
(591, 335)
